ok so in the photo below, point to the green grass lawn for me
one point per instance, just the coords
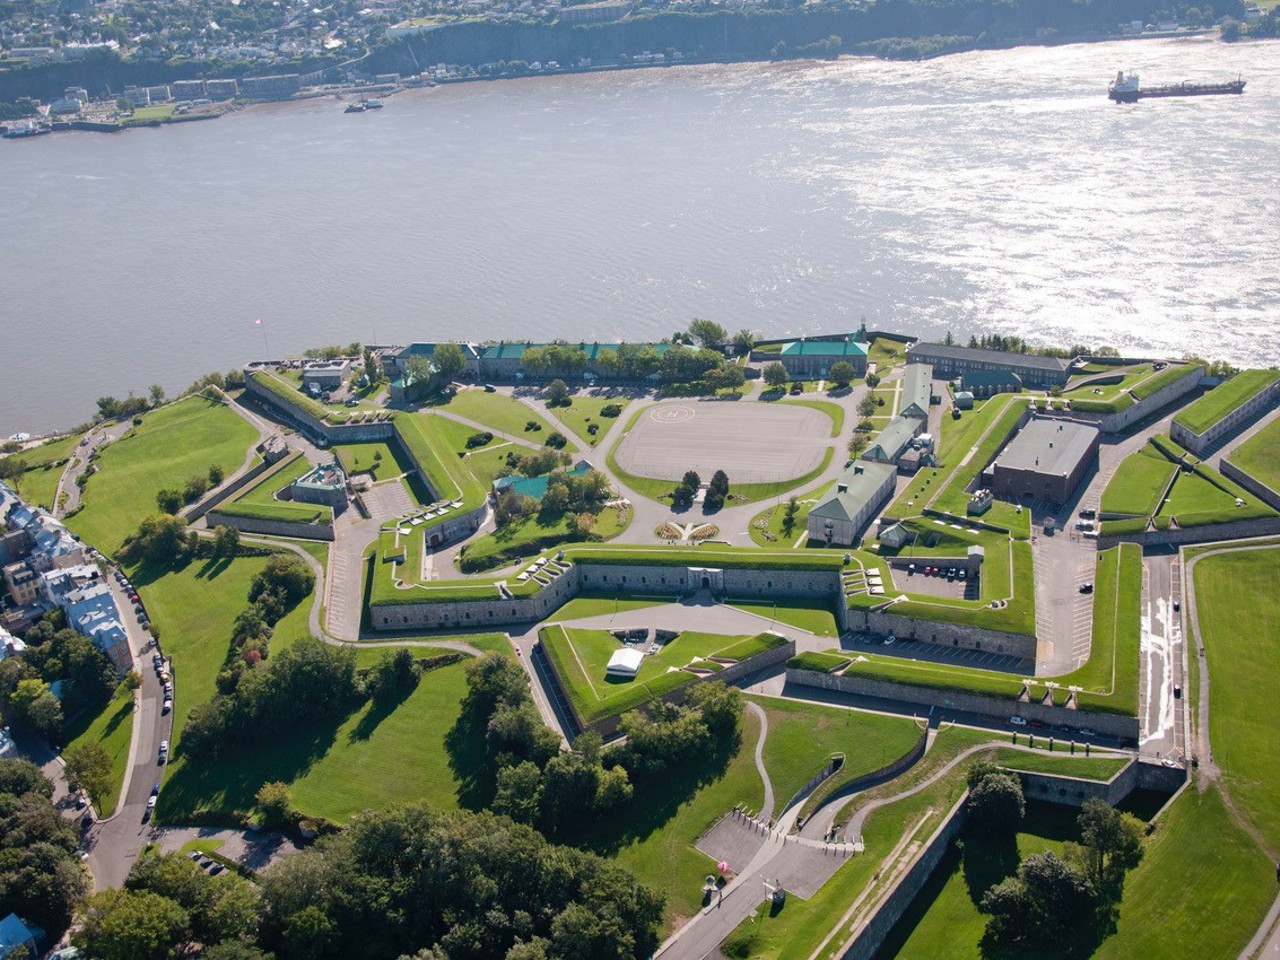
(1225, 398)
(173, 443)
(111, 726)
(487, 463)
(1139, 484)
(1095, 767)
(656, 836)
(584, 410)
(194, 609)
(381, 459)
(807, 615)
(498, 412)
(886, 354)
(1201, 890)
(832, 410)
(766, 526)
(260, 499)
(944, 920)
(954, 497)
(580, 657)
(802, 736)
(598, 605)
(45, 463)
(159, 111)
(1257, 456)
(1203, 496)
(1239, 613)
(370, 759)
(532, 535)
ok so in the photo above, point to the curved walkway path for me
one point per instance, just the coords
(766, 811)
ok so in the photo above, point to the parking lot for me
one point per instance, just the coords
(936, 653)
(934, 584)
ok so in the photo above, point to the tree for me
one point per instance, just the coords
(160, 539)
(449, 360)
(556, 500)
(512, 506)
(226, 541)
(35, 706)
(789, 516)
(129, 925)
(842, 373)
(691, 479)
(275, 803)
(1113, 839)
(682, 497)
(775, 375)
(873, 381)
(169, 501)
(707, 333)
(584, 523)
(866, 406)
(88, 765)
(157, 394)
(287, 575)
(108, 408)
(730, 376)
(557, 394)
(216, 474)
(418, 369)
(744, 340)
(857, 443)
(124, 105)
(12, 468)
(1230, 30)
(519, 793)
(234, 950)
(717, 490)
(996, 803)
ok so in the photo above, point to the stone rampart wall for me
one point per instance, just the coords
(1255, 486)
(943, 634)
(1267, 527)
(1108, 724)
(273, 528)
(221, 494)
(873, 932)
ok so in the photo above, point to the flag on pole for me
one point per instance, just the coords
(258, 322)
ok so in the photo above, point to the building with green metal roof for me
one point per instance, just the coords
(857, 497)
(807, 359)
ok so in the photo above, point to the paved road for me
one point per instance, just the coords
(99, 436)
(1161, 670)
(114, 843)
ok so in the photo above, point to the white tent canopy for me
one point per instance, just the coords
(625, 663)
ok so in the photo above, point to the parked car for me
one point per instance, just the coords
(155, 788)
(1018, 721)
(1177, 605)
(1039, 724)
(963, 574)
(81, 802)
(164, 751)
(911, 568)
(1088, 514)
(890, 640)
(168, 705)
(151, 808)
(796, 390)
(490, 388)
(1177, 692)
(1086, 588)
(1086, 732)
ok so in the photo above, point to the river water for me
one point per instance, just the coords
(991, 191)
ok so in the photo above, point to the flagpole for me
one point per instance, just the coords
(265, 345)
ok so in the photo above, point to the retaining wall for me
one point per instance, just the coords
(944, 634)
(655, 580)
(1116, 422)
(273, 528)
(1239, 417)
(1211, 533)
(1259, 489)
(1074, 791)
(888, 772)
(871, 935)
(220, 495)
(1109, 724)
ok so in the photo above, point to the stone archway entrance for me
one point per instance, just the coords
(705, 578)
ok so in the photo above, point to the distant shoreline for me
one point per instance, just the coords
(348, 93)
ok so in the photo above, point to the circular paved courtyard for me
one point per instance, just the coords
(752, 442)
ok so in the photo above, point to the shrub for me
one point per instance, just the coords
(611, 410)
(556, 440)
(479, 439)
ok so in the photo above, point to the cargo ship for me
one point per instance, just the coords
(1126, 89)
